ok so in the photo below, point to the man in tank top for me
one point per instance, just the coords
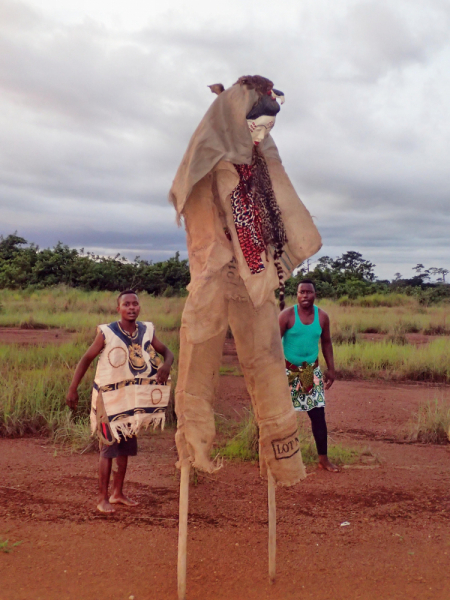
(302, 327)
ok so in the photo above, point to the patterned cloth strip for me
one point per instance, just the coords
(310, 396)
(247, 220)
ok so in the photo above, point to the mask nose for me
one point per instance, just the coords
(260, 135)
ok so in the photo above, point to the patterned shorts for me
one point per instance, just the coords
(316, 397)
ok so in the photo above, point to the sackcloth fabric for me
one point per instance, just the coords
(125, 393)
(223, 290)
(304, 400)
(222, 140)
(258, 344)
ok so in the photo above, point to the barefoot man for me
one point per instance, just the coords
(127, 371)
(301, 327)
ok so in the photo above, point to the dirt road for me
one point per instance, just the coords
(396, 547)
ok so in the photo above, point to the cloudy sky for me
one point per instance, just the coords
(98, 101)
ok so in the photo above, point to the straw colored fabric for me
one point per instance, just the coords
(201, 195)
(223, 290)
(258, 344)
(221, 135)
(125, 395)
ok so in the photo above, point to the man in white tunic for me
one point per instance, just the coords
(126, 393)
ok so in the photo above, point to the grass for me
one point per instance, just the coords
(32, 396)
(74, 433)
(386, 360)
(337, 453)
(386, 314)
(80, 311)
(228, 370)
(35, 379)
(377, 300)
(6, 546)
(430, 424)
(243, 445)
(75, 310)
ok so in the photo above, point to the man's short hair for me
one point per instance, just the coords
(124, 294)
(307, 281)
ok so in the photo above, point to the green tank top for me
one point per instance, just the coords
(301, 342)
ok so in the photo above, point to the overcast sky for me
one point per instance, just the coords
(98, 100)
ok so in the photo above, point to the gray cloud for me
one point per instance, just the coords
(94, 120)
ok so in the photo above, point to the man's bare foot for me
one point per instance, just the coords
(326, 465)
(122, 499)
(105, 507)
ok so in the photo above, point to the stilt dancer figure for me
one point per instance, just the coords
(247, 230)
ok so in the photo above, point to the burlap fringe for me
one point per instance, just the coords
(128, 428)
(132, 426)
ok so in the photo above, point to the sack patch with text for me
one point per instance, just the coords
(286, 447)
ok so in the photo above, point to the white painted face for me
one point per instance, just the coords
(260, 128)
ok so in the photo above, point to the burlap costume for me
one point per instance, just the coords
(223, 291)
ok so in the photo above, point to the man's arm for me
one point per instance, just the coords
(286, 320)
(327, 350)
(93, 351)
(164, 370)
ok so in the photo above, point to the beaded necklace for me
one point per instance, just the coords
(132, 336)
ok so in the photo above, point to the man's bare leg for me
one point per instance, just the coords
(104, 473)
(326, 465)
(117, 496)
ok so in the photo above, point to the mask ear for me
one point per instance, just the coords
(276, 94)
(216, 88)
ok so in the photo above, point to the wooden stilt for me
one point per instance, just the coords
(272, 526)
(182, 529)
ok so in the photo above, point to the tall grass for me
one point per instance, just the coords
(395, 320)
(76, 310)
(430, 362)
(337, 453)
(244, 445)
(34, 386)
(377, 300)
(388, 314)
(431, 423)
(35, 381)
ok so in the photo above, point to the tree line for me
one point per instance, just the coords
(352, 276)
(25, 265)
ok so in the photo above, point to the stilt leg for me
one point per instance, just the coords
(272, 526)
(182, 529)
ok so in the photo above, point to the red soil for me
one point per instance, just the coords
(396, 547)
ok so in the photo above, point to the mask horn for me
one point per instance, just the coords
(276, 94)
(216, 88)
